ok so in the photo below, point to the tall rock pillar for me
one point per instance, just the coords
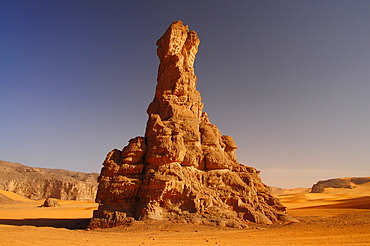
(184, 169)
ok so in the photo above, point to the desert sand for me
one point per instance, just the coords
(336, 217)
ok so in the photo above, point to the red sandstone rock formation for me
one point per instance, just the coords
(184, 169)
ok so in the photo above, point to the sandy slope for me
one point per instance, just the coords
(360, 190)
(334, 221)
(279, 191)
(14, 197)
(24, 208)
(328, 197)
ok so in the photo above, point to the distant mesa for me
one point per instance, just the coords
(41, 183)
(183, 169)
(347, 183)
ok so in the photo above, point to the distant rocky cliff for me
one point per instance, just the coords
(40, 183)
(347, 183)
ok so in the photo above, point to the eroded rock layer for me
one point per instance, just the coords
(184, 169)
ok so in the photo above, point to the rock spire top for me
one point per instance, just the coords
(176, 94)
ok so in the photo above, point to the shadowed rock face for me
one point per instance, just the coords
(184, 169)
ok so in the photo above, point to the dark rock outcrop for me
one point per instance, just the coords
(184, 169)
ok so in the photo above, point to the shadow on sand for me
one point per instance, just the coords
(71, 224)
(355, 203)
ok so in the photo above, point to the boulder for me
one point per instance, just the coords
(50, 202)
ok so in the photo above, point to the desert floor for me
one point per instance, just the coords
(332, 218)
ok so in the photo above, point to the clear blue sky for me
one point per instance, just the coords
(289, 80)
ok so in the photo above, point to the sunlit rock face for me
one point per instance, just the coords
(184, 169)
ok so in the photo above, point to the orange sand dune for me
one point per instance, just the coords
(330, 197)
(30, 209)
(328, 219)
(359, 190)
(13, 196)
(303, 200)
(279, 191)
(352, 203)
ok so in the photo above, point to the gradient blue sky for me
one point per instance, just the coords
(289, 80)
